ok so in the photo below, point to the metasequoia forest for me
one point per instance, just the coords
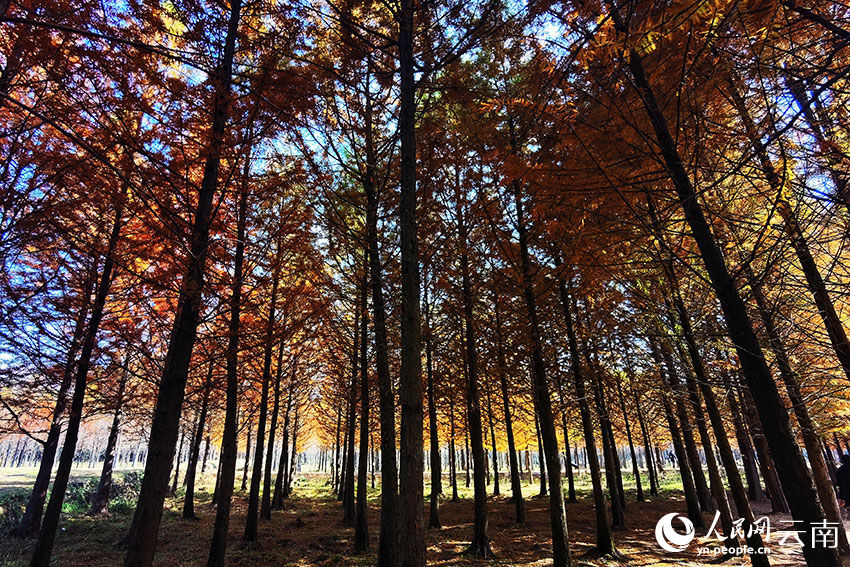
(409, 282)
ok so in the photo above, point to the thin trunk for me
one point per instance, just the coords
(687, 432)
(31, 520)
(100, 500)
(252, 520)
(266, 504)
(496, 491)
(541, 459)
(164, 429)
(618, 519)
(50, 524)
(745, 446)
(361, 523)
(691, 498)
(177, 458)
(277, 499)
(195, 450)
(348, 498)
(388, 542)
(516, 480)
(452, 453)
(290, 473)
(557, 513)
(336, 465)
(604, 541)
(247, 458)
(436, 465)
(765, 458)
(635, 468)
(647, 447)
(480, 546)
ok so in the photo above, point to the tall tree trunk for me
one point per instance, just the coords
(31, 520)
(336, 453)
(436, 465)
(348, 499)
(452, 453)
(745, 446)
(496, 491)
(688, 486)
(687, 431)
(516, 480)
(727, 457)
(277, 499)
(163, 437)
(100, 500)
(411, 461)
(361, 523)
(266, 504)
(290, 474)
(604, 541)
(251, 522)
(229, 437)
(790, 463)
(541, 458)
(765, 458)
(195, 450)
(467, 464)
(388, 539)
(247, 457)
(557, 513)
(635, 468)
(618, 519)
(647, 447)
(47, 534)
(480, 546)
(177, 460)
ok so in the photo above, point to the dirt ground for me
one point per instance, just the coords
(310, 533)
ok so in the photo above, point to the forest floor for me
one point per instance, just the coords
(310, 531)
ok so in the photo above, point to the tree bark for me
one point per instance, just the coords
(229, 437)
(618, 519)
(266, 504)
(100, 500)
(348, 491)
(557, 513)
(277, 499)
(251, 522)
(436, 465)
(635, 468)
(480, 546)
(412, 522)
(361, 523)
(145, 528)
(194, 453)
(501, 370)
(604, 541)
(452, 453)
(691, 498)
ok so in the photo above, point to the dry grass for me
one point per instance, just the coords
(310, 533)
